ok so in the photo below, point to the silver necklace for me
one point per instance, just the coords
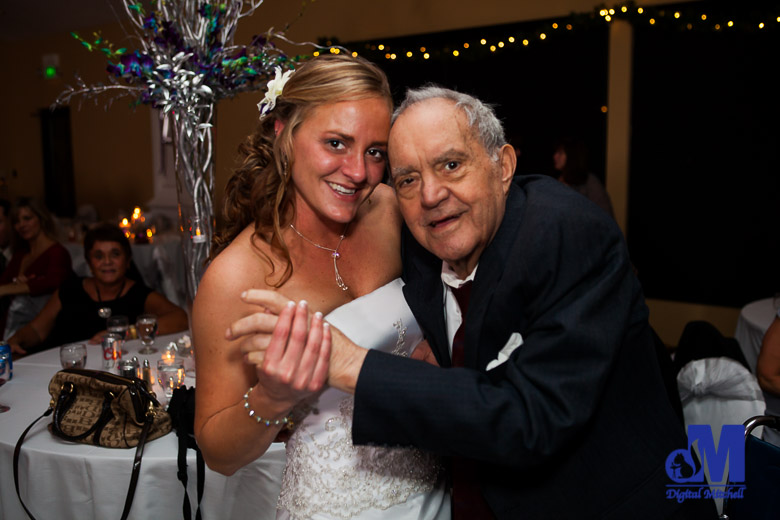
(334, 253)
(105, 312)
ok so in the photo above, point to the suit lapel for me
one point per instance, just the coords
(424, 294)
(492, 263)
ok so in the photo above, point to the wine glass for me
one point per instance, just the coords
(3, 378)
(118, 325)
(73, 356)
(170, 375)
(146, 325)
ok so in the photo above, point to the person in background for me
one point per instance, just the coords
(570, 161)
(5, 234)
(72, 312)
(37, 268)
(768, 374)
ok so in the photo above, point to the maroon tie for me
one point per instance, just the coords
(462, 295)
(467, 500)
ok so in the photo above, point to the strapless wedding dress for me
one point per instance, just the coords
(326, 477)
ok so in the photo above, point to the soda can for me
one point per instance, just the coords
(112, 350)
(6, 360)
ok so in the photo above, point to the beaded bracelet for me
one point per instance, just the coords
(286, 421)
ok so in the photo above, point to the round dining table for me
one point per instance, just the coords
(65, 480)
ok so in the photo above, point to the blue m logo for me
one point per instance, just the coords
(683, 467)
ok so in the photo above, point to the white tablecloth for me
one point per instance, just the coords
(64, 480)
(161, 265)
(754, 319)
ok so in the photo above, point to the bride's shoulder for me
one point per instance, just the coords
(239, 262)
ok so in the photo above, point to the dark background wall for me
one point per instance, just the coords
(704, 201)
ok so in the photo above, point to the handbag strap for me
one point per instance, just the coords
(139, 453)
(65, 401)
(18, 450)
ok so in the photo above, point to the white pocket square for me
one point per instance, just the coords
(515, 340)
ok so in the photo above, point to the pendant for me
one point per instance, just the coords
(104, 312)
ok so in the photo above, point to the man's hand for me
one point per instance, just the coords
(423, 352)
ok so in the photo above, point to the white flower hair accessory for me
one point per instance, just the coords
(275, 88)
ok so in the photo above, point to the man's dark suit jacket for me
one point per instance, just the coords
(576, 424)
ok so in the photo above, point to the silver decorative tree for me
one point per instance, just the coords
(185, 63)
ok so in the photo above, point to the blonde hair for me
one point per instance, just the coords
(259, 190)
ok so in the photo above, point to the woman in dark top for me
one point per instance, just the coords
(77, 310)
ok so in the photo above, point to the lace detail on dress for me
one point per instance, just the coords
(326, 474)
(400, 345)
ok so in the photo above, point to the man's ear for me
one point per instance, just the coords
(507, 161)
(278, 127)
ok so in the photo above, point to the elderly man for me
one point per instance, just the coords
(555, 406)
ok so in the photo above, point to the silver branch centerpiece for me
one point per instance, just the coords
(187, 62)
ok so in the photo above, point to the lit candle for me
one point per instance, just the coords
(124, 225)
(169, 354)
(169, 357)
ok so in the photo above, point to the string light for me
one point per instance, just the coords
(681, 18)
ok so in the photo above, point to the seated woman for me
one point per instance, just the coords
(37, 268)
(72, 313)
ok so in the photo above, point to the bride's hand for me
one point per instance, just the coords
(290, 354)
(346, 358)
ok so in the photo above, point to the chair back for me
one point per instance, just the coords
(718, 391)
(762, 476)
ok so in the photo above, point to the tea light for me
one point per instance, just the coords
(169, 354)
(197, 234)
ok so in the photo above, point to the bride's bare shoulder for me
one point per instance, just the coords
(244, 264)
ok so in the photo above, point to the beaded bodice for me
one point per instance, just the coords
(326, 476)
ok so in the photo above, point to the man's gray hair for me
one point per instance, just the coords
(481, 117)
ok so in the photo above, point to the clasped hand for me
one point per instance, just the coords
(289, 348)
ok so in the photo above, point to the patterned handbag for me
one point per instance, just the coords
(104, 409)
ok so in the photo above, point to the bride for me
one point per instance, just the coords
(306, 215)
